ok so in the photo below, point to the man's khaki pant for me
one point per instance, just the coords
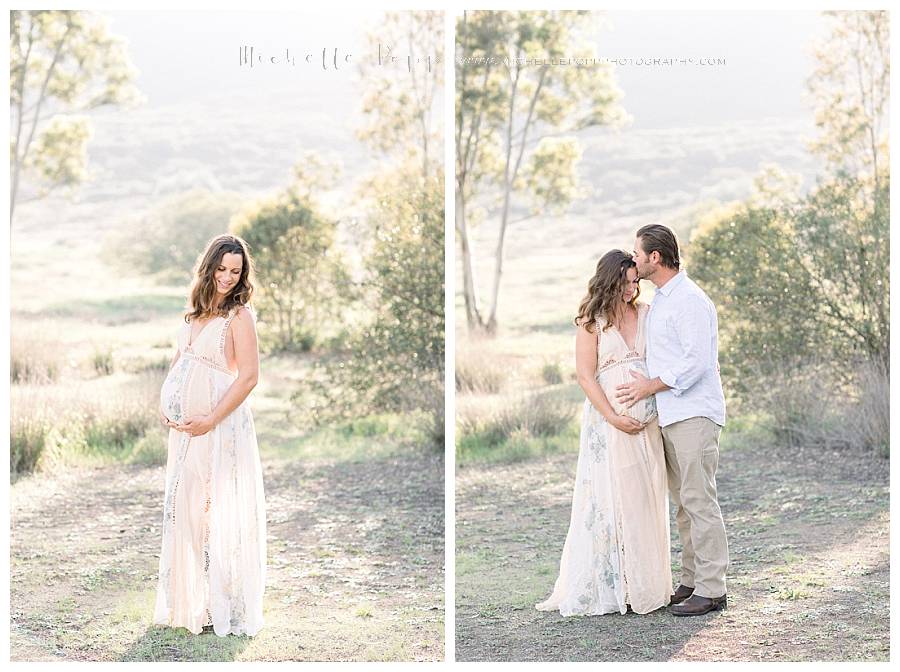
(692, 454)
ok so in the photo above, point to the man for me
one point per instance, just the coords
(682, 360)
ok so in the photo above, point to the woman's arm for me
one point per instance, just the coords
(246, 353)
(586, 369)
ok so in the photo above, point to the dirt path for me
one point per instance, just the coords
(355, 565)
(809, 576)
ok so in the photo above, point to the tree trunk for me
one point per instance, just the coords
(504, 216)
(473, 317)
(466, 151)
(509, 177)
(491, 326)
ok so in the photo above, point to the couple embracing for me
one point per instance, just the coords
(651, 423)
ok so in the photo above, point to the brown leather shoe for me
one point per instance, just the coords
(681, 594)
(696, 605)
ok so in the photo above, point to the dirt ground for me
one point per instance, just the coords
(808, 535)
(355, 565)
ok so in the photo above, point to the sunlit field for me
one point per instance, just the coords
(805, 504)
(100, 278)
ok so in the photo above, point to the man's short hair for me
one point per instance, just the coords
(659, 238)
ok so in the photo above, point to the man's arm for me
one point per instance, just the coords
(694, 332)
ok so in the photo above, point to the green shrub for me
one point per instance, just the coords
(102, 362)
(172, 235)
(801, 290)
(369, 425)
(27, 441)
(151, 449)
(551, 373)
(303, 279)
(393, 358)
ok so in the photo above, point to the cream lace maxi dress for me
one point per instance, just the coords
(617, 549)
(213, 561)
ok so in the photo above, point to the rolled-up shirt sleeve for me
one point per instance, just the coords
(694, 333)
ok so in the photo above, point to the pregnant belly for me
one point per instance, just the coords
(644, 410)
(185, 392)
(170, 396)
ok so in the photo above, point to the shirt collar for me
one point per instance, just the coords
(673, 282)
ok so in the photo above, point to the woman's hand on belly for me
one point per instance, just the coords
(166, 421)
(625, 423)
(196, 425)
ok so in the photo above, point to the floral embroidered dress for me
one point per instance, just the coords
(617, 548)
(213, 561)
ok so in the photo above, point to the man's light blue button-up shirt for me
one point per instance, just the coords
(683, 350)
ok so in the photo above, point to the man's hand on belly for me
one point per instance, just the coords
(641, 387)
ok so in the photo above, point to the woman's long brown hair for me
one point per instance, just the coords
(604, 290)
(203, 288)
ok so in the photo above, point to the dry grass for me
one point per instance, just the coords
(528, 415)
(812, 407)
(510, 407)
(509, 428)
(34, 359)
(478, 371)
(872, 415)
(84, 422)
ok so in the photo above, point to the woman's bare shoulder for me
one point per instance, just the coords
(243, 312)
(244, 319)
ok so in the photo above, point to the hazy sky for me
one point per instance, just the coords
(767, 60)
(213, 121)
(210, 121)
(190, 56)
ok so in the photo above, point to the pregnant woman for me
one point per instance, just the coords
(616, 553)
(213, 561)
